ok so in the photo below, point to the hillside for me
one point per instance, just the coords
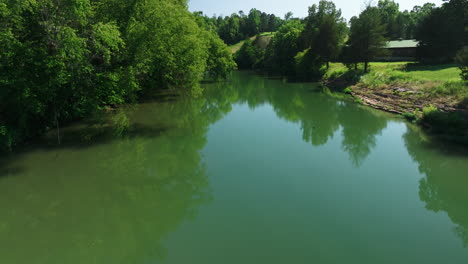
(261, 41)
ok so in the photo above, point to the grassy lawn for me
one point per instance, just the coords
(236, 47)
(439, 83)
(434, 95)
(438, 73)
(409, 70)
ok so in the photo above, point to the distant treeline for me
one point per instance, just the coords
(302, 47)
(240, 26)
(62, 60)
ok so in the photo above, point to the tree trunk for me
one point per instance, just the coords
(366, 66)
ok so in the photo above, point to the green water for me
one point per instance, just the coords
(256, 171)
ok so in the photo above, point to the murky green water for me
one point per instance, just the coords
(257, 171)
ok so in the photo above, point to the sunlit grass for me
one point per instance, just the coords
(236, 47)
(431, 81)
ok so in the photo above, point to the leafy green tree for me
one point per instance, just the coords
(443, 32)
(308, 66)
(389, 13)
(279, 56)
(367, 40)
(220, 62)
(325, 31)
(288, 16)
(63, 60)
(230, 29)
(253, 22)
(249, 56)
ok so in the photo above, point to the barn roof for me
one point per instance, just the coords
(400, 44)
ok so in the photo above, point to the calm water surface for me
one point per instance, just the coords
(257, 171)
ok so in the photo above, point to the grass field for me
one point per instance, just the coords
(409, 70)
(432, 94)
(236, 47)
(427, 80)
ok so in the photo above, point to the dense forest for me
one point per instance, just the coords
(62, 60)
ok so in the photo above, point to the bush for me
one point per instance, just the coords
(410, 116)
(442, 121)
(462, 60)
(249, 57)
(451, 88)
(308, 66)
(348, 91)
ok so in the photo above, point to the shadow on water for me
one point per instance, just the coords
(81, 136)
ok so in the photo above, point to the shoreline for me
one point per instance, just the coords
(409, 107)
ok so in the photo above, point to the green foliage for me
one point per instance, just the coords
(389, 13)
(238, 27)
(62, 60)
(308, 66)
(442, 121)
(250, 56)
(410, 117)
(348, 90)
(279, 56)
(220, 61)
(366, 40)
(462, 60)
(325, 31)
(443, 32)
(450, 88)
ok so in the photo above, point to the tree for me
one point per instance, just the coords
(443, 32)
(230, 29)
(389, 13)
(249, 56)
(308, 66)
(64, 60)
(279, 56)
(253, 22)
(324, 32)
(367, 40)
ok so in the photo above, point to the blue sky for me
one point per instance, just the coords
(298, 7)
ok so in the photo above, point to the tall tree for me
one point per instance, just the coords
(253, 22)
(367, 37)
(389, 12)
(325, 31)
(443, 32)
(279, 56)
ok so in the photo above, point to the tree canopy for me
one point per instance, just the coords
(61, 60)
(367, 37)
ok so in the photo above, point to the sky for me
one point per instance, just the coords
(299, 8)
